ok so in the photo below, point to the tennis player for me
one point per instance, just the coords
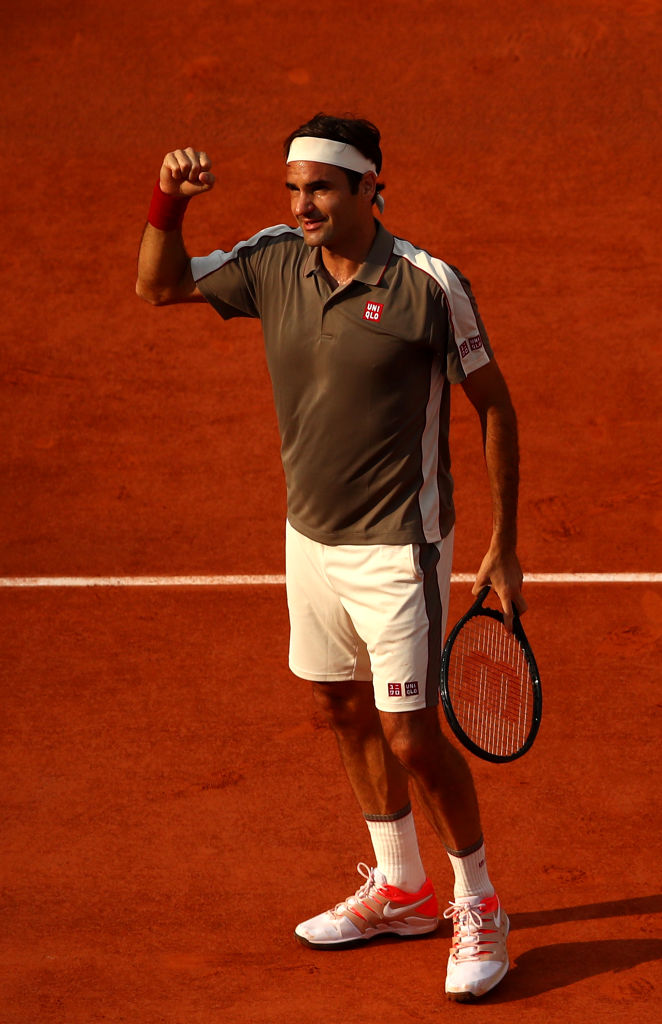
(364, 335)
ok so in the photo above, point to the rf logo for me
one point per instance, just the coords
(373, 310)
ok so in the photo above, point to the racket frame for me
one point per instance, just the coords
(476, 611)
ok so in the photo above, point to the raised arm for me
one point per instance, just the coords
(164, 266)
(488, 393)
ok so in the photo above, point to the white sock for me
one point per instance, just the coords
(396, 849)
(471, 878)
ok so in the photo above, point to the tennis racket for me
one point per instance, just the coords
(490, 685)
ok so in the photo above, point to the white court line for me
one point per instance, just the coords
(257, 581)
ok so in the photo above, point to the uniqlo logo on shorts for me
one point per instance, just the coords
(411, 689)
(464, 350)
(373, 310)
(395, 689)
(475, 343)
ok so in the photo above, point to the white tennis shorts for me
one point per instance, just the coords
(370, 612)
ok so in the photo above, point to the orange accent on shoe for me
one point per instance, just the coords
(376, 908)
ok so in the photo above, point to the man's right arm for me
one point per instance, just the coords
(164, 266)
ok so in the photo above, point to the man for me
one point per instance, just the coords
(363, 335)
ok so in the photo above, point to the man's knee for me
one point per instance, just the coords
(414, 737)
(345, 705)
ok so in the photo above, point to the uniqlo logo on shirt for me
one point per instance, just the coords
(475, 343)
(464, 350)
(395, 689)
(411, 689)
(373, 310)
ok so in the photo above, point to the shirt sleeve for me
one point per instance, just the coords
(233, 282)
(226, 281)
(468, 344)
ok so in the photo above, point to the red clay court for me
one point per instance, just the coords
(172, 806)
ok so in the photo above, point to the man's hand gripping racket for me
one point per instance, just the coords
(490, 685)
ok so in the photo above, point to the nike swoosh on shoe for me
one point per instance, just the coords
(392, 911)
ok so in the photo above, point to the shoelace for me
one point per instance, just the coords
(363, 890)
(467, 919)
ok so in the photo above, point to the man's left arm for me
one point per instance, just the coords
(487, 391)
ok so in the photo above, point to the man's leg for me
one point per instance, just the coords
(380, 783)
(396, 897)
(441, 775)
(383, 751)
(379, 780)
(381, 611)
(442, 779)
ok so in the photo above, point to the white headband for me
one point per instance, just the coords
(326, 151)
(338, 154)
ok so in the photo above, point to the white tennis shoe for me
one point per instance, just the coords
(478, 958)
(376, 908)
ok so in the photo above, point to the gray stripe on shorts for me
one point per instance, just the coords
(429, 558)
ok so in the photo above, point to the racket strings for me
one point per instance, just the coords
(490, 686)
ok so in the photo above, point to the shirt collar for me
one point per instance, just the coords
(372, 268)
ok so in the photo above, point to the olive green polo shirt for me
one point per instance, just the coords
(360, 378)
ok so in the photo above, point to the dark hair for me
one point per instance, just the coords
(355, 131)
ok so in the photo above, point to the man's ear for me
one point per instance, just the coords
(368, 185)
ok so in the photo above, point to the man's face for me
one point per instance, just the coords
(328, 213)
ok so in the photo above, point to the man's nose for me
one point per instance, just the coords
(303, 204)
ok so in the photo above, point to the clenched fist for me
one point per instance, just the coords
(186, 173)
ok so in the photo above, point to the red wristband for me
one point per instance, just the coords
(166, 212)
